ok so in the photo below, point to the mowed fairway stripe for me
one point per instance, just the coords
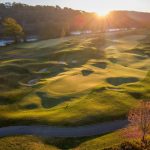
(51, 131)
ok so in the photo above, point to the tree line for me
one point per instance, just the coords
(54, 21)
(48, 21)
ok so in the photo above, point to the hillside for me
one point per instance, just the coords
(75, 80)
(129, 19)
(52, 22)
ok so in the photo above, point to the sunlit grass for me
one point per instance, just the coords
(78, 81)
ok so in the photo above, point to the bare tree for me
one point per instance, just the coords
(140, 118)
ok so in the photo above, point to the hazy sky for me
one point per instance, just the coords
(99, 6)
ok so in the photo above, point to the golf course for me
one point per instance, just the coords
(72, 82)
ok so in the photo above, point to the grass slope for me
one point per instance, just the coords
(31, 142)
(74, 81)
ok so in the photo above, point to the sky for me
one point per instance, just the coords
(99, 6)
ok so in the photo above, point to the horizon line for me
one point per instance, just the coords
(73, 8)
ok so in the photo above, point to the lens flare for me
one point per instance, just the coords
(103, 13)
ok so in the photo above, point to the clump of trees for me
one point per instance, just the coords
(54, 21)
(48, 21)
(138, 130)
(13, 29)
(139, 127)
(140, 118)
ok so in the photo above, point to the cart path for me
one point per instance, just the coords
(52, 131)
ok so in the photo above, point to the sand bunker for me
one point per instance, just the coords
(33, 81)
(43, 70)
(74, 61)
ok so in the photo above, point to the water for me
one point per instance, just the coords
(6, 42)
(120, 29)
(80, 32)
(76, 33)
(31, 38)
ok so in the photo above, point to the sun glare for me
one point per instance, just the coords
(103, 13)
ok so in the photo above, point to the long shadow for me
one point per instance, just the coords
(69, 143)
(102, 65)
(55, 71)
(121, 80)
(49, 102)
(86, 72)
(9, 99)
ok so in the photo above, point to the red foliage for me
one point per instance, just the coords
(139, 119)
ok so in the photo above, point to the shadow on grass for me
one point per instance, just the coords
(121, 80)
(86, 72)
(67, 143)
(102, 65)
(70, 143)
(113, 60)
(49, 102)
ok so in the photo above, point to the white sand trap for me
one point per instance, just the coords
(43, 70)
(57, 63)
(29, 83)
(62, 62)
(74, 61)
(32, 82)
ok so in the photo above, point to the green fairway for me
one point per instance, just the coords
(76, 80)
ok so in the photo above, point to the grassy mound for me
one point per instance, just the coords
(32, 142)
(74, 81)
(13, 69)
(87, 109)
(24, 143)
(140, 90)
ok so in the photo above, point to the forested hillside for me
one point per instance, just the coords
(48, 20)
(54, 21)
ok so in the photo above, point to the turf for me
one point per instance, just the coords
(74, 81)
(32, 142)
(24, 143)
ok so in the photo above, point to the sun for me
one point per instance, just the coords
(103, 13)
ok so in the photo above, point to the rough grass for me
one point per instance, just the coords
(140, 90)
(32, 142)
(24, 143)
(91, 108)
(77, 80)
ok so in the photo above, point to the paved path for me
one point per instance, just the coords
(51, 131)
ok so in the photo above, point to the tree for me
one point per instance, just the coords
(13, 29)
(140, 119)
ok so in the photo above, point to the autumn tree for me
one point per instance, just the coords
(13, 29)
(139, 118)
